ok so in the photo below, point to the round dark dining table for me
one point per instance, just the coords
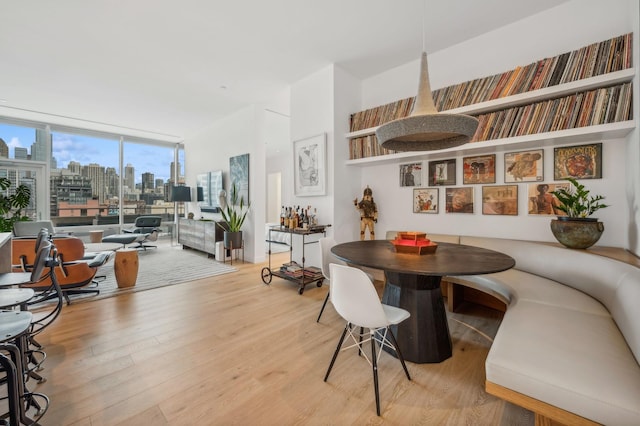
(413, 283)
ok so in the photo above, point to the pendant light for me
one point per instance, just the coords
(426, 129)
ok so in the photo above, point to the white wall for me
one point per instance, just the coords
(211, 149)
(564, 28)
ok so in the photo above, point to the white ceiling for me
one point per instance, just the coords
(173, 67)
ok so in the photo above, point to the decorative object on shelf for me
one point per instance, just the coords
(541, 198)
(234, 212)
(579, 162)
(479, 169)
(11, 206)
(411, 174)
(368, 213)
(425, 129)
(425, 200)
(500, 200)
(442, 172)
(309, 169)
(524, 166)
(413, 243)
(576, 229)
(459, 200)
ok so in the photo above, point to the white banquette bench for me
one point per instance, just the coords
(569, 343)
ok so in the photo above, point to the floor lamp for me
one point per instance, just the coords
(179, 194)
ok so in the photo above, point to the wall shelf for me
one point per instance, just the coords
(576, 135)
(562, 137)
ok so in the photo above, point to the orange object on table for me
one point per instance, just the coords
(413, 243)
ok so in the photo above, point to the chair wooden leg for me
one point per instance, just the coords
(374, 366)
(335, 354)
(326, 299)
(397, 348)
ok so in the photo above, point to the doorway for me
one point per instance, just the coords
(274, 197)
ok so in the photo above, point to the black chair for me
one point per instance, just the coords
(148, 225)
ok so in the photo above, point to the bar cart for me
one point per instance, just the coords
(300, 274)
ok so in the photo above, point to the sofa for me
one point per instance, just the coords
(569, 343)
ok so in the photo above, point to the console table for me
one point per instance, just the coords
(200, 235)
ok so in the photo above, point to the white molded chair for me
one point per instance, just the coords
(327, 258)
(355, 298)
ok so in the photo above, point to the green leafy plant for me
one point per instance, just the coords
(11, 206)
(576, 201)
(234, 211)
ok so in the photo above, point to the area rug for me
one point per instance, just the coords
(159, 267)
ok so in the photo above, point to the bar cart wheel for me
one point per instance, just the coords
(266, 275)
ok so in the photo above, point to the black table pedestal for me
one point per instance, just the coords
(424, 337)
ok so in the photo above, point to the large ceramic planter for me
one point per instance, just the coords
(577, 233)
(232, 239)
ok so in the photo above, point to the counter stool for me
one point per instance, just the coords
(14, 329)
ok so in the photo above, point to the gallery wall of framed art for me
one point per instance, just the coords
(499, 195)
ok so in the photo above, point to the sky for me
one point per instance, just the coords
(86, 150)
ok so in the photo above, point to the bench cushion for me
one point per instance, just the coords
(569, 358)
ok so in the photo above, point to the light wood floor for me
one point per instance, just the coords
(231, 350)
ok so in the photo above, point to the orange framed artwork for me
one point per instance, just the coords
(479, 169)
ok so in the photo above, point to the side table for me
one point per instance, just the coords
(96, 236)
(126, 267)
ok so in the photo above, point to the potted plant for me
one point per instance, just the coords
(11, 206)
(234, 211)
(577, 229)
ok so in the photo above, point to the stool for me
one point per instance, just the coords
(126, 267)
(95, 236)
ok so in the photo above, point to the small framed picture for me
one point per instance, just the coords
(425, 200)
(542, 201)
(500, 200)
(411, 174)
(459, 200)
(524, 166)
(580, 162)
(479, 169)
(309, 167)
(442, 172)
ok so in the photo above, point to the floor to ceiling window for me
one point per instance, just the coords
(149, 172)
(84, 179)
(23, 162)
(93, 178)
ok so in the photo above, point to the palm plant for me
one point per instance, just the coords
(233, 211)
(11, 205)
(576, 201)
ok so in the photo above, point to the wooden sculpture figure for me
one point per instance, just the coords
(368, 213)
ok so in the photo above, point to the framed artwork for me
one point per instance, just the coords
(425, 200)
(442, 172)
(309, 166)
(580, 162)
(239, 175)
(524, 166)
(479, 169)
(411, 174)
(459, 200)
(541, 201)
(500, 200)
